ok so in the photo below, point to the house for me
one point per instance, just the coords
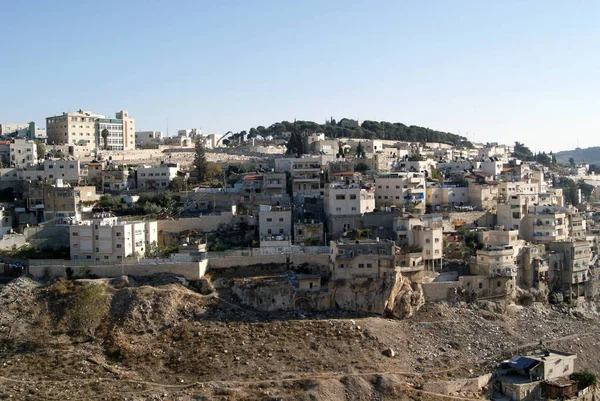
(521, 377)
(275, 226)
(361, 259)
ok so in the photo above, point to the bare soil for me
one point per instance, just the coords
(160, 340)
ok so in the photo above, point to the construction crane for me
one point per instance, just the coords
(223, 137)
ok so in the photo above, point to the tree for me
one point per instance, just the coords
(213, 172)
(226, 142)
(361, 167)
(40, 148)
(360, 151)
(104, 135)
(178, 184)
(571, 162)
(584, 379)
(200, 162)
(522, 152)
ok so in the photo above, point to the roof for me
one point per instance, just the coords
(253, 177)
(522, 363)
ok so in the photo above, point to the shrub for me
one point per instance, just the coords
(584, 379)
(88, 309)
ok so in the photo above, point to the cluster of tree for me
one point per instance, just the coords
(368, 130)
(147, 204)
(594, 169)
(522, 152)
(571, 190)
(205, 171)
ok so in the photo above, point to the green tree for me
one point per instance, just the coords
(584, 379)
(361, 167)
(104, 135)
(571, 162)
(200, 162)
(41, 148)
(178, 184)
(213, 172)
(360, 151)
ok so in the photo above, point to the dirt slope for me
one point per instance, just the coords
(103, 339)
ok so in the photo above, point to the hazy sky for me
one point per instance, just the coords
(490, 70)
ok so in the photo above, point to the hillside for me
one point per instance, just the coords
(588, 155)
(348, 129)
(151, 340)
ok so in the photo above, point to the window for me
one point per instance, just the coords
(88, 257)
(118, 234)
(340, 197)
(96, 237)
(428, 240)
(281, 219)
(361, 265)
(269, 219)
(269, 231)
(352, 197)
(105, 257)
(281, 231)
(480, 285)
(437, 240)
(97, 250)
(369, 265)
(119, 246)
(75, 234)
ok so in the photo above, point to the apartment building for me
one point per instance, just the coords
(570, 260)
(345, 204)
(544, 224)
(83, 128)
(362, 259)
(422, 235)
(160, 177)
(275, 226)
(307, 178)
(60, 201)
(270, 184)
(69, 171)
(441, 197)
(105, 239)
(496, 261)
(23, 153)
(403, 190)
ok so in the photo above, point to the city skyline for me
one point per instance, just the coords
(490, 72)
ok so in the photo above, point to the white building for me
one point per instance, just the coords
(160, 177)
(348, 199)
(23, 153)
(143, 138)
(105, 239)
(275, 226)
(401, 190)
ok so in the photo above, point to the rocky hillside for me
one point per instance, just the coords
(157, 339)
(588, 155)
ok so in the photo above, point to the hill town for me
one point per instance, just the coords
(341, 224)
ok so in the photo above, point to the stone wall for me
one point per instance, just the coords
(204, 223)
(47, 237)
(297, 259)
(438, 291)
(12, 241)
(472, 385)
(484, 219)
(191, 271)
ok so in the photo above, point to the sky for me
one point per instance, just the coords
(497, 71)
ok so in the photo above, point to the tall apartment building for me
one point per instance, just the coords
(105, 239)
(83, 128)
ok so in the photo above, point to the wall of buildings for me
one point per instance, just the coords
(52, 237)
(298, 259)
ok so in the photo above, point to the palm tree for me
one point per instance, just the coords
(104, 135)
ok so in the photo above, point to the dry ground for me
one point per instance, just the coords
(159, 340)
